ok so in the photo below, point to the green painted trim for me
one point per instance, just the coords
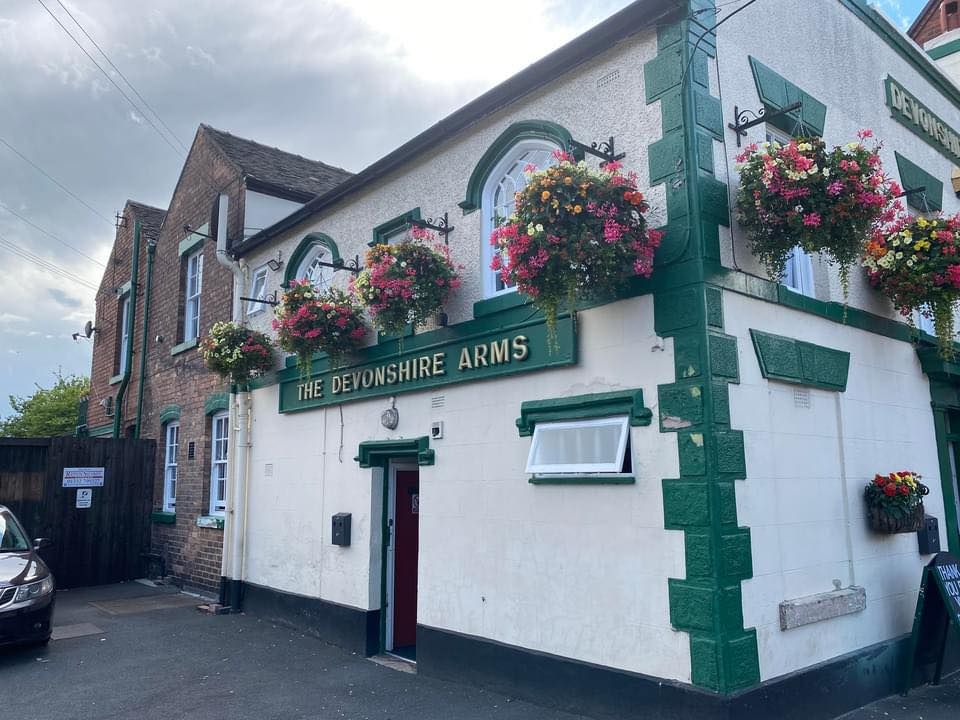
(582, 480)
(101, 430)
(308, 242)
(941, 428)
(941, 136)
(800, 363)
(776, 92)
(942, 51)
(381, 231)
(163, 518)
(580, 407)
(378, 452)
(913, 176)
(523, 130)
(124, 289)
(191, 243)
(216, 402)
(184, 346)
(115, 379)
(499, 303)
(169, 413)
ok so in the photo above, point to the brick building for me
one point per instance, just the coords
(178, 290)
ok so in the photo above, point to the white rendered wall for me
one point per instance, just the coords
(261, 211)
(579, 572)
(842, 63)
(807, 468)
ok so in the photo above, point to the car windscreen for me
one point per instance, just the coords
(11, 536)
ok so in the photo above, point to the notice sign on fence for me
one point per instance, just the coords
(83, 477)
(84, 498)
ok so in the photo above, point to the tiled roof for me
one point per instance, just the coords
(278, 168)
(151, 218)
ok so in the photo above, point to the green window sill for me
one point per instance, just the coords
(499, 303)
(583, 480)
(116, 378)
(210, 521)
(183, 347)
(163, 518)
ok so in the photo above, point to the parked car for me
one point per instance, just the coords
(27, 587)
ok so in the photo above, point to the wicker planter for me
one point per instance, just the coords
(884, 522)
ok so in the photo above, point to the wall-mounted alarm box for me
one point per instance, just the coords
(341, 529)
(928, 536)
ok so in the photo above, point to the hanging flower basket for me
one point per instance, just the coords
(916, 263)
(236, 353)
(824, 201)
(308, 321)
(406, 282)
(895, 502)
(577, 233)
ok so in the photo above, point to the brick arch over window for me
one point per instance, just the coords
(304, 249)
(519, 131)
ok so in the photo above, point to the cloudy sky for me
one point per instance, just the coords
(344, 81)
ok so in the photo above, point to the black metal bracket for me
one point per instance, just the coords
(603, 150)
(913, 191)
(353, 266)
(744, 121)
(439, 224)
(270, 300)
(188, 229)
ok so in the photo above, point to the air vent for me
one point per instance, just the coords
(438, 401)
(608, 79)
(801, 399)
(268, 470)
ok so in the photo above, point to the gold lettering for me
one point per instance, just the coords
(520, 349)
(367, 378)
(500, 352)
(379, 375)
(465, 363)
(404, 371)
(336, 385)
(425, 366)
(479, 355)
(438, 360)
(391, 374)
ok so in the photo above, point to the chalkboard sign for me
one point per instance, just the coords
(938, 608)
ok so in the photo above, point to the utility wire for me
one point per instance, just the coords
(56, 182)
(130, 84)
(136, 107)
(44, 264)
(50, 235)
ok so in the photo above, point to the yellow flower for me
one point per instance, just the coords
(545, 195)
(568, 180)
(577, 209)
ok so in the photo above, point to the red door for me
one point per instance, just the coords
(406, 542)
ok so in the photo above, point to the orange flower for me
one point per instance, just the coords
(577, 209)
(545, 195)
(568, 180)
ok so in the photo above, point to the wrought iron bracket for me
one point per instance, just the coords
(270, 300)
(353, 266)
(744, 121)
(913, 191)
(439, 224)
(603, 150)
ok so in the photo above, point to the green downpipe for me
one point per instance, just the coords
(151, 254)
(134, 277)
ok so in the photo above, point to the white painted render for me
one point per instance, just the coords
(807, 468)
(261, 211)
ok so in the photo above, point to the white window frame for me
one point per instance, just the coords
(612, 468)
(923, 323)
(171, 450)
(259, 277)
(124, 333)
(219, 455)
(486, 208)
(191, 304)
(319, 251)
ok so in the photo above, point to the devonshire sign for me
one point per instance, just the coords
(479, 356)
(909, 111)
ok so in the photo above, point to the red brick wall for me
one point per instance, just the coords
(937, 22)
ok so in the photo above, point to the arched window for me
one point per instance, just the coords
(307, 260)
(497, 203)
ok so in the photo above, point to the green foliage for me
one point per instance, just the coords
(49, 411)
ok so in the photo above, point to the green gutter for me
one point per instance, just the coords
(151, 253)
(134, 276)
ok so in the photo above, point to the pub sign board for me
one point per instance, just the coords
(937, 616)
(521, 347)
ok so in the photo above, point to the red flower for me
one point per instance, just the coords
(890, 490)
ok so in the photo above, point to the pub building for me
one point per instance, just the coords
(441, 498)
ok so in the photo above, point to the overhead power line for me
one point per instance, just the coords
(44, 264)
(51, 235)
(124, 77)
(136, 107)
(56, 182)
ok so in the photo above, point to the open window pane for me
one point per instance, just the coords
(581, 446)
(258, 291)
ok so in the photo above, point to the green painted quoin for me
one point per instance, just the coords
(707, 603)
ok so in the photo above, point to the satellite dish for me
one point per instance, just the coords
(89, 329)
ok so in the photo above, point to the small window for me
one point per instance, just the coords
(194, 285)
(923, 323)
(218, 463)
(124, 334)
(170, 467)
(798, 271)
(313, 269)
(581, 447)
(258, 290)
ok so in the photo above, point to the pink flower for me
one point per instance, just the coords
(835, 188)
(811, 219)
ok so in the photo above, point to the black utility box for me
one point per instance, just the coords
(928, 536)
(341, 529)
